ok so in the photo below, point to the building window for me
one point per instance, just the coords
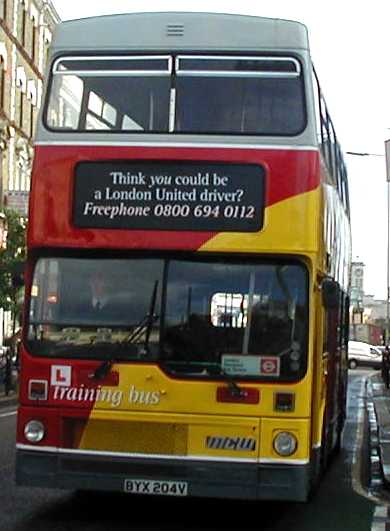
(21, 103)
(20, 22)
(46, 43)
(32, 121)
(24, 28)
(34, 42)
(3, 10)
(2, 82)
(21, 83)
(32, 97)
(34, 32)
(23, 153)
(3, 68)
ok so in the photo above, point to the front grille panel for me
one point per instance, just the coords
(135, 437)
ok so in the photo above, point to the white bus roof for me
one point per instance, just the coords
(178, 31)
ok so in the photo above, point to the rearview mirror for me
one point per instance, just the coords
(330, 293)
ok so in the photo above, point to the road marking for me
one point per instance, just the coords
(356, 468)
(9, 414)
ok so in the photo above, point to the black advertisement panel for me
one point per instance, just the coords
(160, 195)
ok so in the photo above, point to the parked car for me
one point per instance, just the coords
(363, 355)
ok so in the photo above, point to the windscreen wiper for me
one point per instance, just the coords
(146, 323)
(212, 369)
(234, 388)
(102, 370)
(152, 317)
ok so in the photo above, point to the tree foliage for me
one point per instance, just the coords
(11, 261)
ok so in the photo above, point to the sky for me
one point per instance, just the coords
(351, 51)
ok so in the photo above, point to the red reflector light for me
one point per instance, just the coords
(245, 395)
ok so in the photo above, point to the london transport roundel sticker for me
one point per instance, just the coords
(269, 366)
(239, 365)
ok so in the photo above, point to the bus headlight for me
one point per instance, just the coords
(285, 443)
(34, 431)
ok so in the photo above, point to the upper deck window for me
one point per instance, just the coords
(186, 94)
(238, 95)
(110, 93)
(237, 66)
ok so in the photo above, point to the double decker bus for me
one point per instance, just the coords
(187, 172)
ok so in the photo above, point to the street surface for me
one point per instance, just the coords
(335, 507)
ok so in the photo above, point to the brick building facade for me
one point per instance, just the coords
(26, 28)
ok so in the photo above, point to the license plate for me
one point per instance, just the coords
(154, 487)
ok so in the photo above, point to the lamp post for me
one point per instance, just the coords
(387, 152)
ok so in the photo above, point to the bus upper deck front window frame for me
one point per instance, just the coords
(252, 60)
(90, 70)
(176, 67)
(90, 60)
(241, 67)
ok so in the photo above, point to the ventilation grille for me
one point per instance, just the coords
(175, 30)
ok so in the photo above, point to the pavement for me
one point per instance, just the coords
(8, 400)
(379, 396)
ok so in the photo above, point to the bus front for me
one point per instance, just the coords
(172, 249)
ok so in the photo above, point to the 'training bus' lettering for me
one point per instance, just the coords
(143, 397)
(87, 394)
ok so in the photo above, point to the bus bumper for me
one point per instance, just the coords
(250, 481)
